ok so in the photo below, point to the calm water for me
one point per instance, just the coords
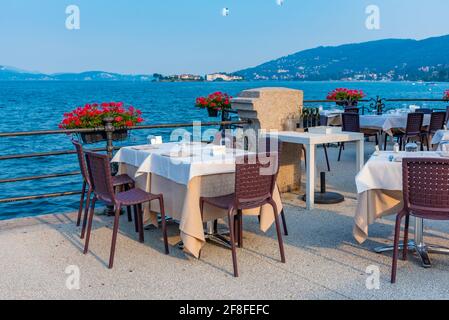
(40, 105)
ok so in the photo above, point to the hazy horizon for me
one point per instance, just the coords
(173, 36)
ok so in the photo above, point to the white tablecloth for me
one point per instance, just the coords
(440, 136)
(388, 122)
(380, 173)
(203, 175)
(194, 161)
(379, 187)
(333, 117)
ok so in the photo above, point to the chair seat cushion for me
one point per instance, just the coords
(135, 196)
(121, 180)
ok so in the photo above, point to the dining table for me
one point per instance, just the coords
(379, 194)
(184, 172)
(388, 122)
(310, 142)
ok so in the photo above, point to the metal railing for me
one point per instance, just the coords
(109, 129)
(378, 104)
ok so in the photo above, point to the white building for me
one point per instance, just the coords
(222, 77)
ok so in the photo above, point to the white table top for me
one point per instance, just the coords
(163, 160)
(314, 138)
(379, 173)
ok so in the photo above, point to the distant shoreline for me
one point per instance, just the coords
(417, 82)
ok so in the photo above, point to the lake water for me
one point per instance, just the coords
(40, 105)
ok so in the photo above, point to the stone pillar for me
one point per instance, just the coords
(269, 108)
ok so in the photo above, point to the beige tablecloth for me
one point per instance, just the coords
(182, 203)
(372, 205)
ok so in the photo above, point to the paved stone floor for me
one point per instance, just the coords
(323, 259)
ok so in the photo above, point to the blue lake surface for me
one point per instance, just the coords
(40, 105)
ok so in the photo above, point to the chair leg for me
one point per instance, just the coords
(339, 153)
(80, 209)
(239, 230)
(86, 213)
(136, 221)
(232, 236)
(327, 158)
(377, 139)
(89, 225)
(278, 231)
(386, 141)
(164, 223)
(140, 223)
(128, 208)
(405, 249)
(396, 248)
(284, 222)
(114, 236)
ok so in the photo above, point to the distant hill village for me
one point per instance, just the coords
(196, 78)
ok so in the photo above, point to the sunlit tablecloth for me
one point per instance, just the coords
(182, 182)
(379, 188)
(388, 122)
(439, 138)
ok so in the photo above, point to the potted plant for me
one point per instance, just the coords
(214, 103)
(346, 97)
(446, 95)
(93, 115)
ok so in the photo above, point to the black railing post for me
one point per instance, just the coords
(109, 129)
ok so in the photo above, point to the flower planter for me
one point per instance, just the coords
(213, 113)
(347, 104)
(94, 137)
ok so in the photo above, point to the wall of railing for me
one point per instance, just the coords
(375, 105)
(109, 149)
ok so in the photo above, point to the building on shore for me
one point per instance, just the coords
(177, 78)
(223, 77)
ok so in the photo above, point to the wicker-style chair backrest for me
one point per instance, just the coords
(424, 111)
(255, 179)
(352, 110)
(426, 187)
(414, 123)
(100, 176)
(350, 122)
(81, 160)
(437, 121)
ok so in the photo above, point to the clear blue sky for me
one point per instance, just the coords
(174, 36)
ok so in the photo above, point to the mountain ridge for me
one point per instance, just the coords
(387, 59)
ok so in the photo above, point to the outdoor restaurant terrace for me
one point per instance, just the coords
(332, 251)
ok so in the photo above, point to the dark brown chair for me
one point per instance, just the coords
(254, 185)
(272, 146)
(426, 196)
(447, 115)
(118, 182)
(351, 123)
(413, 130)
(437, 121)
(424, 111)
(102, 186)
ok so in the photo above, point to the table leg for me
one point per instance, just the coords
(360, 145)
(417, 245)
(310, 183)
